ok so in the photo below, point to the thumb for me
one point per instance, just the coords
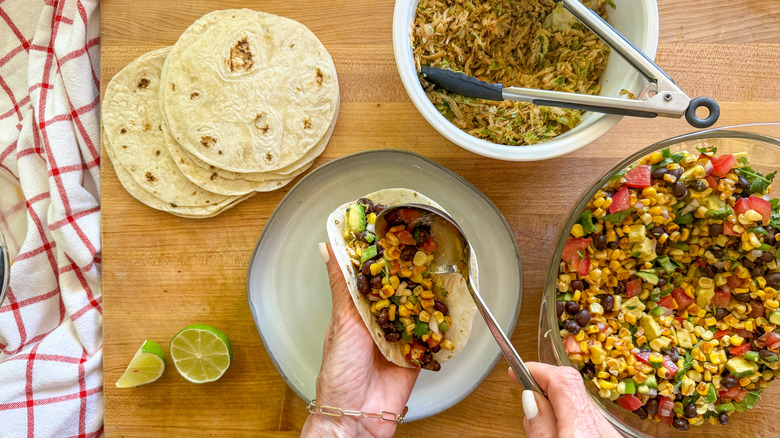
(540, 420)
(338, 285)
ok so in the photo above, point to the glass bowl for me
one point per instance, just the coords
(762, 143)
(5, 268)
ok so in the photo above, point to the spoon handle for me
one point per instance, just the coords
(510, 354)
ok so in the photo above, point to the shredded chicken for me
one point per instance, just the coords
(523, 43)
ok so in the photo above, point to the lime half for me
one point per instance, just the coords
(201, 353)
(146, 366)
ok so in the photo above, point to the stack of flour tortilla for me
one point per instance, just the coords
(242, 103)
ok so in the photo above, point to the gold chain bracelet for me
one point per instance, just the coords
(314, 408)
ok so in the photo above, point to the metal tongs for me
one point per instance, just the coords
(661, 96)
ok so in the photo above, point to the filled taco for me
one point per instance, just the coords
(416, 318)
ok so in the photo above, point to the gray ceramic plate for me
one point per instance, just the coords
(287, 284)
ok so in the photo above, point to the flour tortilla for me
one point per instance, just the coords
(138, 192)
(247, 91)
(459, 302)
(133, 126)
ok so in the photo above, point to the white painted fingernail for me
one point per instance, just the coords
(530, 408)
(324, 252)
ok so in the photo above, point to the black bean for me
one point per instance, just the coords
(679, 190)
(758, 271)
(376, 282)
(384, 317)
(365, 202)
(742, 183)
(661, 282)
(407, 254)
(742, 298)
(717, 252)
(362, 284)
(589, 371)
(559, 308)
(748, 264)
(363, 236)
(681, 424)
(435, 348)
(608, 303)
(773, 280)
(577, 285)
(379, 207)
(767, 355)
(699, 185)
(715, 230)
(658, 231)
(723, 418)
(421, 235)
(721, 313)
(571, 326)
(767, 257)
(729, 381)
(583, 317)
(572, 307)
(621, 288)
(674, 354)
(394, 218)
(659, 173)
(433, 365)
(690, 411)
(441, 307)
(641, 413)
(365, 269)
(710, 271)
(652, 406)
(677, 173)
(393, 337)
(600, 242)
(613, 244)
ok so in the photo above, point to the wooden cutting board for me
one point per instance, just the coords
(161, 273)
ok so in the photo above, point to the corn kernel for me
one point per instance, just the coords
(391, 312)
(577, 231)
(447, 344)
(744, 381)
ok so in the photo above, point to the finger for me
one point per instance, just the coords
(338, 286)
(540, 420)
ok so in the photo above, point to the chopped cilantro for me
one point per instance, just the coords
(618, 175)
(721, 214)
(775, 218)
(708, 150)
(617, 217)
(586, 220)
(758, 181)
(420, 329)
(684, 219)
(758, 230)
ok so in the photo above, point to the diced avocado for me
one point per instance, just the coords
(651, 328)
(774, 317)
(712, 202)
(705, 291)
(742, 159)
(647, 276)
(356, 218)
(666, 264)
(637, 233)
(646, 249)
(739, 367)
(725, 407)
(651, 382)
(683, 340)
(634, 306)
(686, 176)
(752, 356)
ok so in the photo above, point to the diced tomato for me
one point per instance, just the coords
(665, 407)
(629, 402)
(575, 252)
(722, 164)
(409, 214)
(701, 261)
(571, 345)
(721, 298)
(405, 238)
(415, 353)
(741, 393)
(712, 182)
(396, 268)
(728, 229)
(741, 350)
(760, 205)
(430, 245)
(643, 357)
(770, 340)
(667, 302)
(432, 342)
(747, 334)
(733, 282)
(620, 200)
(638, 177)
(683, 300)
(721, 333)
(671, 366)
(633, 287)
(729, 393)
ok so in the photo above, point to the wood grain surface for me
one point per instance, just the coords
(161, 273)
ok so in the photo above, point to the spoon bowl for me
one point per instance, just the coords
(452, 256)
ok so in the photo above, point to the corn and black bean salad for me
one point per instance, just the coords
(407, 300)
(669, 286)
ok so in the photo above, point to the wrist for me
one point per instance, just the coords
(326, 425)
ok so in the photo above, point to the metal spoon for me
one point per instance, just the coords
(452, 256)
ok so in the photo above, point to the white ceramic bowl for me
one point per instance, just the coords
(637, 20)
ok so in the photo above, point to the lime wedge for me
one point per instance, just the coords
(201, 353)
(146, 366)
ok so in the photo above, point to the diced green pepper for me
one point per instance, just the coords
(368, 254)
(630, 386)
(420, 329)
(752, 356)
(711, 395)
(444, 326)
